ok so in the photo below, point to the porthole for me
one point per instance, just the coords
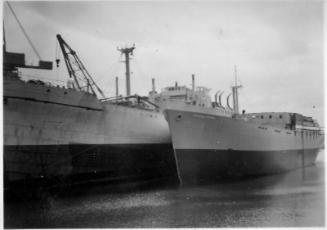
(178, 117)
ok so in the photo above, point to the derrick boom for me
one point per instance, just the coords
(77, 70)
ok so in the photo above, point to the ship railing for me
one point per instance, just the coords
(47, 81)
(322, 131)
(310, 128)
(115, 98)
(138, 100)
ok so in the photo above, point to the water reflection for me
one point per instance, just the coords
(284, 200)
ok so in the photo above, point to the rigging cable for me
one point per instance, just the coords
(57, 55)
(57, 61)
(22, 28)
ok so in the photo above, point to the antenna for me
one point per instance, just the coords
(127, 52)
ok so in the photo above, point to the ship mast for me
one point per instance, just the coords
(117, 92)
(235, 93)
(127, 52)
(153, 85)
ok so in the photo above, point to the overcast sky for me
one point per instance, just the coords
(276, 45)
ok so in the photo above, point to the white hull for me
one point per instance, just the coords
(210, 146)
(52, 131)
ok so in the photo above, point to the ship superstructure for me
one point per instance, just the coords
(184, 98)
(210, 144)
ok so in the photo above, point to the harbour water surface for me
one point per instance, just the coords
(294, 199)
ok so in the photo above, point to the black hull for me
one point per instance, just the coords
(61, 165)
(202, 166)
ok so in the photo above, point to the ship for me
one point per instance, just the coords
(64, 135)
(213, 142)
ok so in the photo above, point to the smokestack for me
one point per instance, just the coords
(153, 85)
(193, 85)
(117, 87)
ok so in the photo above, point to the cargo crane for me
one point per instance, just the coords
(76, 69)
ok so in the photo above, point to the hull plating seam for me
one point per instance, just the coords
(50, 102)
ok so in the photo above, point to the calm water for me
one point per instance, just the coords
(288, 200)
